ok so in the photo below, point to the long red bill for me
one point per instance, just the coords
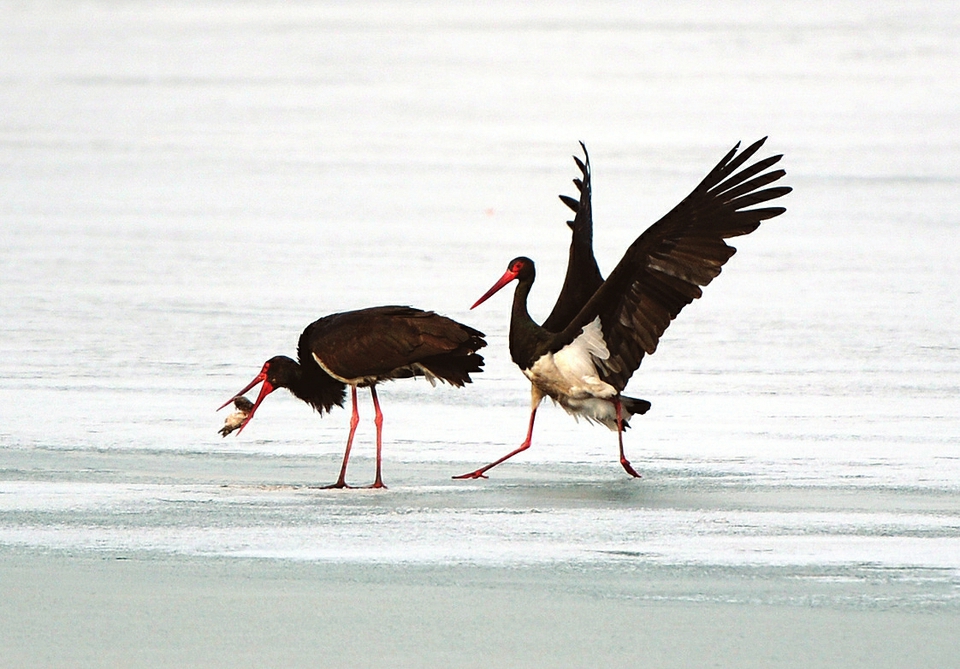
(262, 376)
(265, 390)
(507, 277)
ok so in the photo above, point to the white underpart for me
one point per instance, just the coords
(570, 378)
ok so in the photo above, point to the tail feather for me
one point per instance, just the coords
(454, 369)
(632, 407)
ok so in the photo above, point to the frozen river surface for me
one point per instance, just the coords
(185, 186)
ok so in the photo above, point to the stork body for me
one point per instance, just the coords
(584, 360)
(363, 348)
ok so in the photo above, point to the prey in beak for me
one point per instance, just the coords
(245, 410)
(236, 419)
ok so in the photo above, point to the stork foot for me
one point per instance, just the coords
(629, 468)
(472, 475)
(339, 485)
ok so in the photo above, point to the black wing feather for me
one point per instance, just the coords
(385, 341)
(666, 267)
(583, 277)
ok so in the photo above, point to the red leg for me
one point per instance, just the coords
(623, 459)
(378, 421)
(479, 474)
(354, 421)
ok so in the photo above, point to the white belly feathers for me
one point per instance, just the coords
(570, 377)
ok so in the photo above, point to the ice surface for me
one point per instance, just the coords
(185, 186)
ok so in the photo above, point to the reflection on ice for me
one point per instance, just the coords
(496, 525)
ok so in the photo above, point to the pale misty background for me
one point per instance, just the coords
(185, 186)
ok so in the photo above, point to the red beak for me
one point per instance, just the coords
(265, 390)
(507, 277)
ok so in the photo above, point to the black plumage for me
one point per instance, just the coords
(363, 348)
(623, 319)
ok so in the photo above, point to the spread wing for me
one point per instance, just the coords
(665, 268)
(583, 276)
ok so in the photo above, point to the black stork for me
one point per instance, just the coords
(362, 348)
(584, 361)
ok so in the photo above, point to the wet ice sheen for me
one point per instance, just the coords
(186, 187)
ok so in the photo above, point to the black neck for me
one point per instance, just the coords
(527, 339)
(317, 388)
